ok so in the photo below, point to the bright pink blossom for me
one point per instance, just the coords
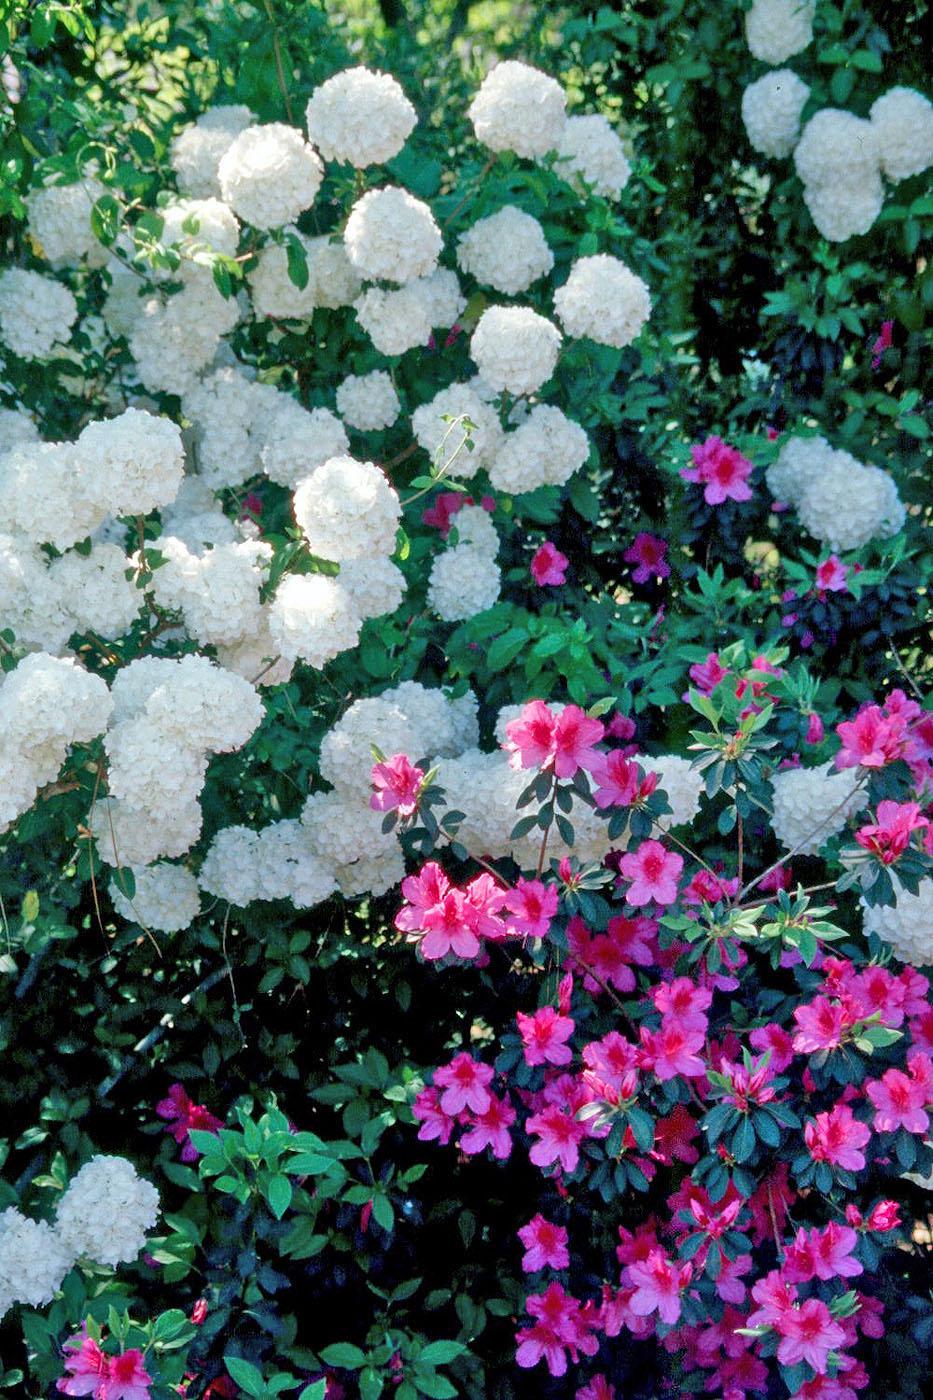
(824, 1254)
(831, 575)
(706, 675)
(183, 1115)
(465, 1083)
(883, 342)
(562, 1325)
(545, 1245)
(596, 1389)
(87, 1367)
(776, 1299)
(836, 1137)
(548, 566)
(721, 470)
(532, 906)
(617, 780)
(398, 783)
(575, 737)
(888, 837)
(559, 1136)
(816, 733)
(544, 1036)
(436, 1125)
(449, 928)
(653, 871)
(127, 1378)
(871, 740)
(898, 1100)
(671, 1052)
(530, 738)
(659, 1282)
(649, 555)
(821, 1025)
(808, 1333)
(423, 891)
(490, 1129)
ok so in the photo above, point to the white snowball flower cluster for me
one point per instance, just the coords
(440, 427)
(902, 120)
(198, 149)
(591, 155)
(173, 341)
(347, 510)
(213, 229)
(520, 109)
(907, 924)
(59, 221)
(545, 450)
(231, 415)
(297, 441)
(392, 236)
(400, 319)
(47, 704)
(216, 591)
(360, 117)
(507, 251)
(771, 109)
(36, 313)
(31, 606)
(336, 281)
(33, 1261)
(837, 159)
(106, 1212)
(805, 805)
(368, 402)
(465, 578)
(230, 869)
(800, 461)
(313, 618)
(515, 349)
(850, 503)
(165, 898)
(16, 426)
(168, 716)
(96, 592)
(604, 300)
(777, 29)
(137, 460)
(375, 587)
(272, 289)
(269, 175)
(683, 785)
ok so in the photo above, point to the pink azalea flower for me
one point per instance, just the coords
(836, 1137)
(465, 1083)
(436, 1125)
(776, 1299)
(899, 1100)
(825, 1254)
(87, 1366)
(449, 928)
(831, 575)
(675, 1135)
(490, 1129)
(562, 1325)
(544, 1036)
(127, 1378)
(658, 1285)
(889, 836)
(445, 507)
(484, 899)
(423, 891)
(596, 1389)
(705, 887)
(883, 342)
(183, 1115)
(871, 740)
(559, 1134)
(617, 780)
(575, 735)
(399, 786)
(682, 1000)
(620, 727)
(815, 731)
(530, 738)
(721, 470)
(774, 1038)
(654, 872)
(821, 1026)
(545, 1245)
(548, 566)
(671, 1052)
(808, 1333)
(706, 675)
(532, 905)
(649, 554)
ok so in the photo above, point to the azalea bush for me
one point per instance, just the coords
(465, 741)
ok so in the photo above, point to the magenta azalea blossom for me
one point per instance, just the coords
(649, 555)
(545, 1245)
(183, 1115)
(653, 871)
(398, 786)
(548, 567)
(831, 575)
(721, 470)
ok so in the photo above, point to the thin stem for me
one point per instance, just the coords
(265, 670)
(753, 884)
(279, 66)
(470, 192)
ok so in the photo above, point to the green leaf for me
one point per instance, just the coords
(743, 1141)
(344, 1355)
(317, 1390)
(245, 1374)
(440, 1353)
(279, 1195)
(297, 261)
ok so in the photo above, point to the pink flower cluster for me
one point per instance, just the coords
(92, 1372)
(721, 470)
(882, 734)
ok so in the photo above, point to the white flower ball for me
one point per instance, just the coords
(394, 321)
(273, 291)
(96, 590)
(545, 450)
(36, 313)
(254, 657)
(360, 117)
(474, 527)
(591, 156)
(197, 150)
(48, 703)
(771, 109)
(805, 803)
(231, 415)
(902, 120)
(336, 281)
(107, 1211)
(777, 29)
(464, 581)
(198, 703)
(290, 868)
(30, 605)
(391, 235)
(299, 441)
(46, 498)
(376, 586)
(843, 210)
(342, 827)
(800, 461)
(368, 402)
(313, 619)
(603, 300)
(374, 875)
(174, 341)
(33, 1260)
(441, 297)
(230, 870)
(507, 251)
(150, 770)
(128, 836)
(347, 510)
(836, 148)
(440, 428)
(17, 426)
(850, 504)
(217, 228)
(515, 349)
(270, 175)
(59, 221)
(138, 455)
(907, 924)
(683, 785)
(520, 109)
(166, 898)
